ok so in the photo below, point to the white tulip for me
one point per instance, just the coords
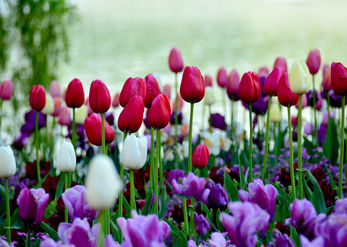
(65, 158)
(275, 113)
(210, 97)
(134, 152)
(7, 162)
(299, 78)
(102, 183)
(81, 114)
(49, 106)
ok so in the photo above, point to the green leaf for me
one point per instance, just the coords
(308, 191)
(218, 222)
(282, 193)
(126, 206)
(41, 182)
(317, 196)
(116, 231)
(60, 186)
(178, 234)
(51, 232)
(242, 177)
(295, 237)
(230, 187)
(329, 147)
(146, 208)
(51, 209)
(163, 201)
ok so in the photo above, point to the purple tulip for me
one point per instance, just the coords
(201, 224)
(145, 231)
(280, 240)
(75, 201)
(215, 195)
(32, 205)
(217, 240)
(218, 121)
(191, 186)
(317, 242)
(341, 206)
(245, 221)
(264, 196)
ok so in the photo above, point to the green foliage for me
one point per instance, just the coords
(330, 151)
(317, 198)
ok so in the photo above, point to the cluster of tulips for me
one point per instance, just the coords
(213, 188)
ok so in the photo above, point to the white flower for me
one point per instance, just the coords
(210, 97)
(7, 162)
(134, 152)
(49, 106)
(81, 114)
(299, 78)
(65, 158)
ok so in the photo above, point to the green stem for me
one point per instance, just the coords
(223, 100)
(176, 121)
(231, 118)
(8, 212)
(314, 112)
(266, 138)
(250, 144)
(328, 131)
(66, 187)
(28, 238)
(156, 191)
(301, 188)
(37, 145)
(190, 137)
(103, 133)
(152, 159)
(185, 215)
(342, 134)
(292, 174)
(132, 191)
(192, 224)
(74, 128)
(101, 220)
(120, 201)
(160, 166)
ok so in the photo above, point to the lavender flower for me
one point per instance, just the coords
(341, 206)
(333, 230)
(191, 186)
(217, 240)
(317, 242)
(201, 224)
(215, 195)
(280, 240)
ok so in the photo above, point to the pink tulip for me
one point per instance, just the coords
(6, 90)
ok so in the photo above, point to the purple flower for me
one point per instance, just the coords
(317, 242)
(341, 206)
(109, 117)
(191, 186)
(175, 174)
(201, 223)
(218, 121)
(264, 196)
(32, 205)
(280, 240)
(75, 201)
(215, 195)
(217, 240)
(245, 221)
(179, 117)
(145, 231)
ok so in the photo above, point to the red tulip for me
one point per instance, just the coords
(130, 119)
(326, 83)
(167, 90)
(74, 94)
(92, 125)
(57, 106)
(158, 115)
(222, 77)
(6, 90)
(54, 90)
(152, 90)
(285, 96)
(175, 60)
(37, 98)
(313, 61)
(132, 87)
(192, 86)
(115, 101)
(263, 71)
(271, 81)
(208, 81)
(99, 97)
(282, 63)
(339, 78)
(200, 156)
(250, 88)
(233, 84)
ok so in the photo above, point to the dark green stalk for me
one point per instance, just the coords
(301, 188)
(176, 121)
(132, 191)
(66, 187)
(37, 145)
(185, 215)
(266, 139)
(120, 201)
(8, 212)
(152, 159)
(74, 128)
(190, 137)
(250, 157)
(231, 118)
(314, 112)
(292, 174)
(342, 139)
(156, 191)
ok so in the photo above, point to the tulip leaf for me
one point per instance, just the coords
(163, 201)
(242, 177)
(146, 208)
(60, 186)
(168, 184)
(218, 222)
(51, 232)
(126, 206)
(207, 211)
(281, 192)
(329, 149)
(116, 231)
(308, 191)
(230, 187)
(41, 182)
(317, 196)
(295, 237)
(178, 237)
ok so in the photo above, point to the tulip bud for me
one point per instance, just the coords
(115, 101)
(134, 152)
(102, 183)
(285, 96)
(7, 162)
(167, 90)
(81, 114)
(92, 125)
(233, 85)
(313, 61)
(54, 90)
(339, 78)
(222, 77)
(6, 90)
(158, 115)
(200, 156)
(263, 72)
(326, 83)
(57, 107)
(74, 95)
(209, 98)
(132, 87)
(299, 78)
(175, 60)
(192, 86)
(275, 113)
(249, 88)
(282, 63)
(64, 116)
(271, 81)
(99, 97)
(49, 107)
(37, 98)
(208, 81)
(152, 90)
(65, 158)
(130, 119)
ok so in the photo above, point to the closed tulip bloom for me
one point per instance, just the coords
(6, 90)
(167, 90)
(74, 95)
(339, 78)
(175, 60)
(250, 88)
(115, 100)
(57, 107)
(65, 158)
(102, 183)
(152, 90)
(37, 98)
(130, 119)
(222, 77)
(299, 78)
(132, 87)
(49, 107)
(271, 81)
(99, 97)
(92, 125)
(326, 82)
(209, 98)
(192, 86)
(263, 71)
(208, 81)
(285, 96)
(275, 113)
(134, 152)
(158, 115)
(81, 114)
(233, 84)
(282, 63)
(200, 156)
(313, 61)
(54, 90)
(64, 116)
(7, 162)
